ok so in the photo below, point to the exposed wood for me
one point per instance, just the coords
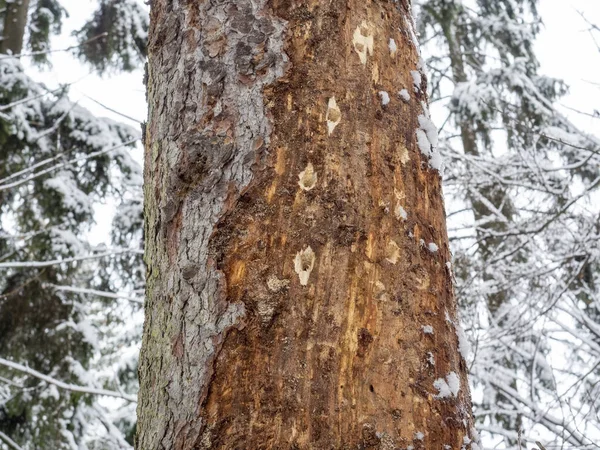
(298, 288)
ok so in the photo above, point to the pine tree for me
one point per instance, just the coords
(59, 317)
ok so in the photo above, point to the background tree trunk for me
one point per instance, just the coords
(294, 299)
(13, 30)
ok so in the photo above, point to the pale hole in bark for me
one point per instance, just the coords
(399, 194)
(375, 73)
(308, 178)
(422, 279)
(363, 42)
(380, 292)
(304, 263)
(392, 252)
(334, 115)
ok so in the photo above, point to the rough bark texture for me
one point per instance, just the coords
(13, 31)
(288, 217)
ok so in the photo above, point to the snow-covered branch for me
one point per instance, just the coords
(66, 386)
(78, 290)
(35, 175)
(12, 444)
(27, 264)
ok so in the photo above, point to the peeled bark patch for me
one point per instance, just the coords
(392, 252)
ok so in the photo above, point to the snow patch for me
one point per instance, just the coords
(73, 198)
(427, 139)
(423, 142)
(400, 213)
(429, 128)
(427, 329)
(417, 80)
(393, 47)
(448, 387)
(385, 97)
(463, 343)
(430, 358)
(411, 26)
(432, 247)
(404, 95)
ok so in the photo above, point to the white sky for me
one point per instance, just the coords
(567, 51)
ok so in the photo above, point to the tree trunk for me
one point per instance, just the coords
(299, 292)
(13, 31)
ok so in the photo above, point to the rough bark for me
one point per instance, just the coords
(13, 31)
(288, 217)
